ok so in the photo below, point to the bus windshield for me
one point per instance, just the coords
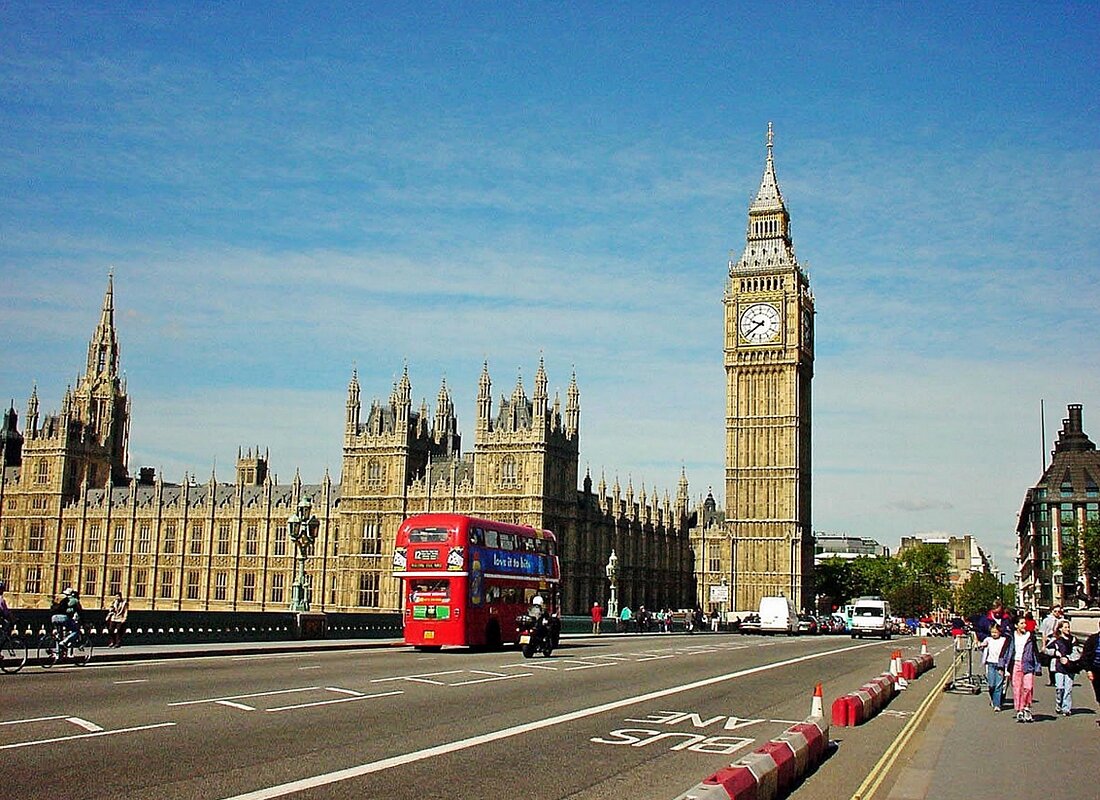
(423, 535)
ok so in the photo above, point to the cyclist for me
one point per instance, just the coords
(7, 618)
(66, 614)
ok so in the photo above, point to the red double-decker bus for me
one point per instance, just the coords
(465, 580)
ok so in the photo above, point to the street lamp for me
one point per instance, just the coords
(612, 570)
(302, 527)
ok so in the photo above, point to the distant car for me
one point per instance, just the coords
(806, 624)
(750, 623)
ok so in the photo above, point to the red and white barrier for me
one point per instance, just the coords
(772, 770)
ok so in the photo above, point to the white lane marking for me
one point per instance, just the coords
(419, 676)
(242, 696)
(490, 680)
(522, 665)
(135, 680)
(231, 704)
(83, 723)
(314, 666)
(327, 778)
(343, 691)
(587, 665)
(85, 736)
(31, 719)
(333, 702)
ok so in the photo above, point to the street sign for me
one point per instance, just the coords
(719, 594)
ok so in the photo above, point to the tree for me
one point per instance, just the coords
(978, 594)
(1090, 543)
(833, 578)
(922, 580)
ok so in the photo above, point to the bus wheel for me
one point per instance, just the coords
(492, 636)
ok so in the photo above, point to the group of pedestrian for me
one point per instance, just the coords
(1015, 649)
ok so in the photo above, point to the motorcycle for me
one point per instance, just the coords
(537, 633)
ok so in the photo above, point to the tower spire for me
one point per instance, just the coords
(103, 347)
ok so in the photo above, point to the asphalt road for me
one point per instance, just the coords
(641, 717)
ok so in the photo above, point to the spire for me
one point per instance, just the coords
(768, 197)
(540, 397)
(32, 412)
(484, 398)
(103, 348)
(768, 237)
(573, 408)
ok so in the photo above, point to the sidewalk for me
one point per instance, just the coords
(965, 751)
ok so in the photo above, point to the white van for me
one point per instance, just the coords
(777, 615)
(870, 617)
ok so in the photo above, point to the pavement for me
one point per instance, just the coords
(964, 750)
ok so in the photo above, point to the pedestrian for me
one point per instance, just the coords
(1020, 659)
(624, 619)
(992, 650)
(1046, 631)
(1031, 623)
(1064, 665)
(7, 618)
(714, 620)
(1090, 663)
(116, 620)
(597, 618)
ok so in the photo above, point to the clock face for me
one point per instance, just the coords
(759, 323)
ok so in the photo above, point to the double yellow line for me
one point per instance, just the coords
(878, 773)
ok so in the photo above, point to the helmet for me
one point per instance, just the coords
(68, 591)
(537, 600)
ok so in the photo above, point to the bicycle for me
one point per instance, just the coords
(50, 648)
(13, 652)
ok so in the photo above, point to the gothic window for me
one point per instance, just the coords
(43, 474)
(93, 538)
(141, 582)
(196, 546)
(33, 580)
(280, 540)
(169, 541)
(114, 582)
(223, 540)
(371, 543)
(332, 594)
(192, 584)
(252, 539)
(38, 502)
(248, 587)
(368, 589)
(376, 472)
(508, 471)
(91, 580)
(277, 583)
(36, 540)
(144, 538)
(9, 538)
(221, 580)
(167, 581)
(118, 544)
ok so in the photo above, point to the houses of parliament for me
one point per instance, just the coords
(72, 514)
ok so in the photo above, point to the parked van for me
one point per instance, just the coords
(777, 615)
(870, 617)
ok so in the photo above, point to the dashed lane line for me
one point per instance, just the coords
(91, 735)
(334, 702)
(242, 696)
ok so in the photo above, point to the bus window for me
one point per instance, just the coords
(507, 541)
(429, 591)
(529, 545)
(477, 536)
(493, 595)
(491, 539)
(423, 535)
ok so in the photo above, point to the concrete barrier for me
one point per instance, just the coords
(772, 770)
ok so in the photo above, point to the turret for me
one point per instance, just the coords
(573, 408)
(11, 441)
(32, 412)
(484, 399)
(540, 398)
(353, 405)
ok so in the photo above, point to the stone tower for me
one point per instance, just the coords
(87, 442)
(769, 357)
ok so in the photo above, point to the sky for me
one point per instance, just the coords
(286, 191)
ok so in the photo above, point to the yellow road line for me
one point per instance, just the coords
(878, 773)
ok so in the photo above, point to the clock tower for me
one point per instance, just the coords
(769, 358)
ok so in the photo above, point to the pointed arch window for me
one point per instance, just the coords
(509, 472)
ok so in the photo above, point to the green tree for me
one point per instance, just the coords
(921, 580)
(1090, 543)
(833, 578)
(978, 594)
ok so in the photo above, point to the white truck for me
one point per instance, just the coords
(870, 617)
(777, 615)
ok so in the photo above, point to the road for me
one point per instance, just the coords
(639, 717)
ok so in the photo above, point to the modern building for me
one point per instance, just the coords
(828, 545)
(965, 556)
(1055, 511)
(769, 361)
(71, 514)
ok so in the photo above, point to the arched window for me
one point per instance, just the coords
(508, 472)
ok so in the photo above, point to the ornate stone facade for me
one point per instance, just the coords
(70, 514)
(769, 358)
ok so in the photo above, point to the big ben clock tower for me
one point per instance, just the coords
(769, 356)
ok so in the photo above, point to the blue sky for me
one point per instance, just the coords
(285, 190)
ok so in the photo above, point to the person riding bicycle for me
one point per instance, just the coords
(66, 614)
(7, 618)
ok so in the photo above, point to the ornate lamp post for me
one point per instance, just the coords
(612, 570)
(302, 526)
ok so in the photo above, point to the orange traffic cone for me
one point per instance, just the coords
(924, 647)
(815, 708)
